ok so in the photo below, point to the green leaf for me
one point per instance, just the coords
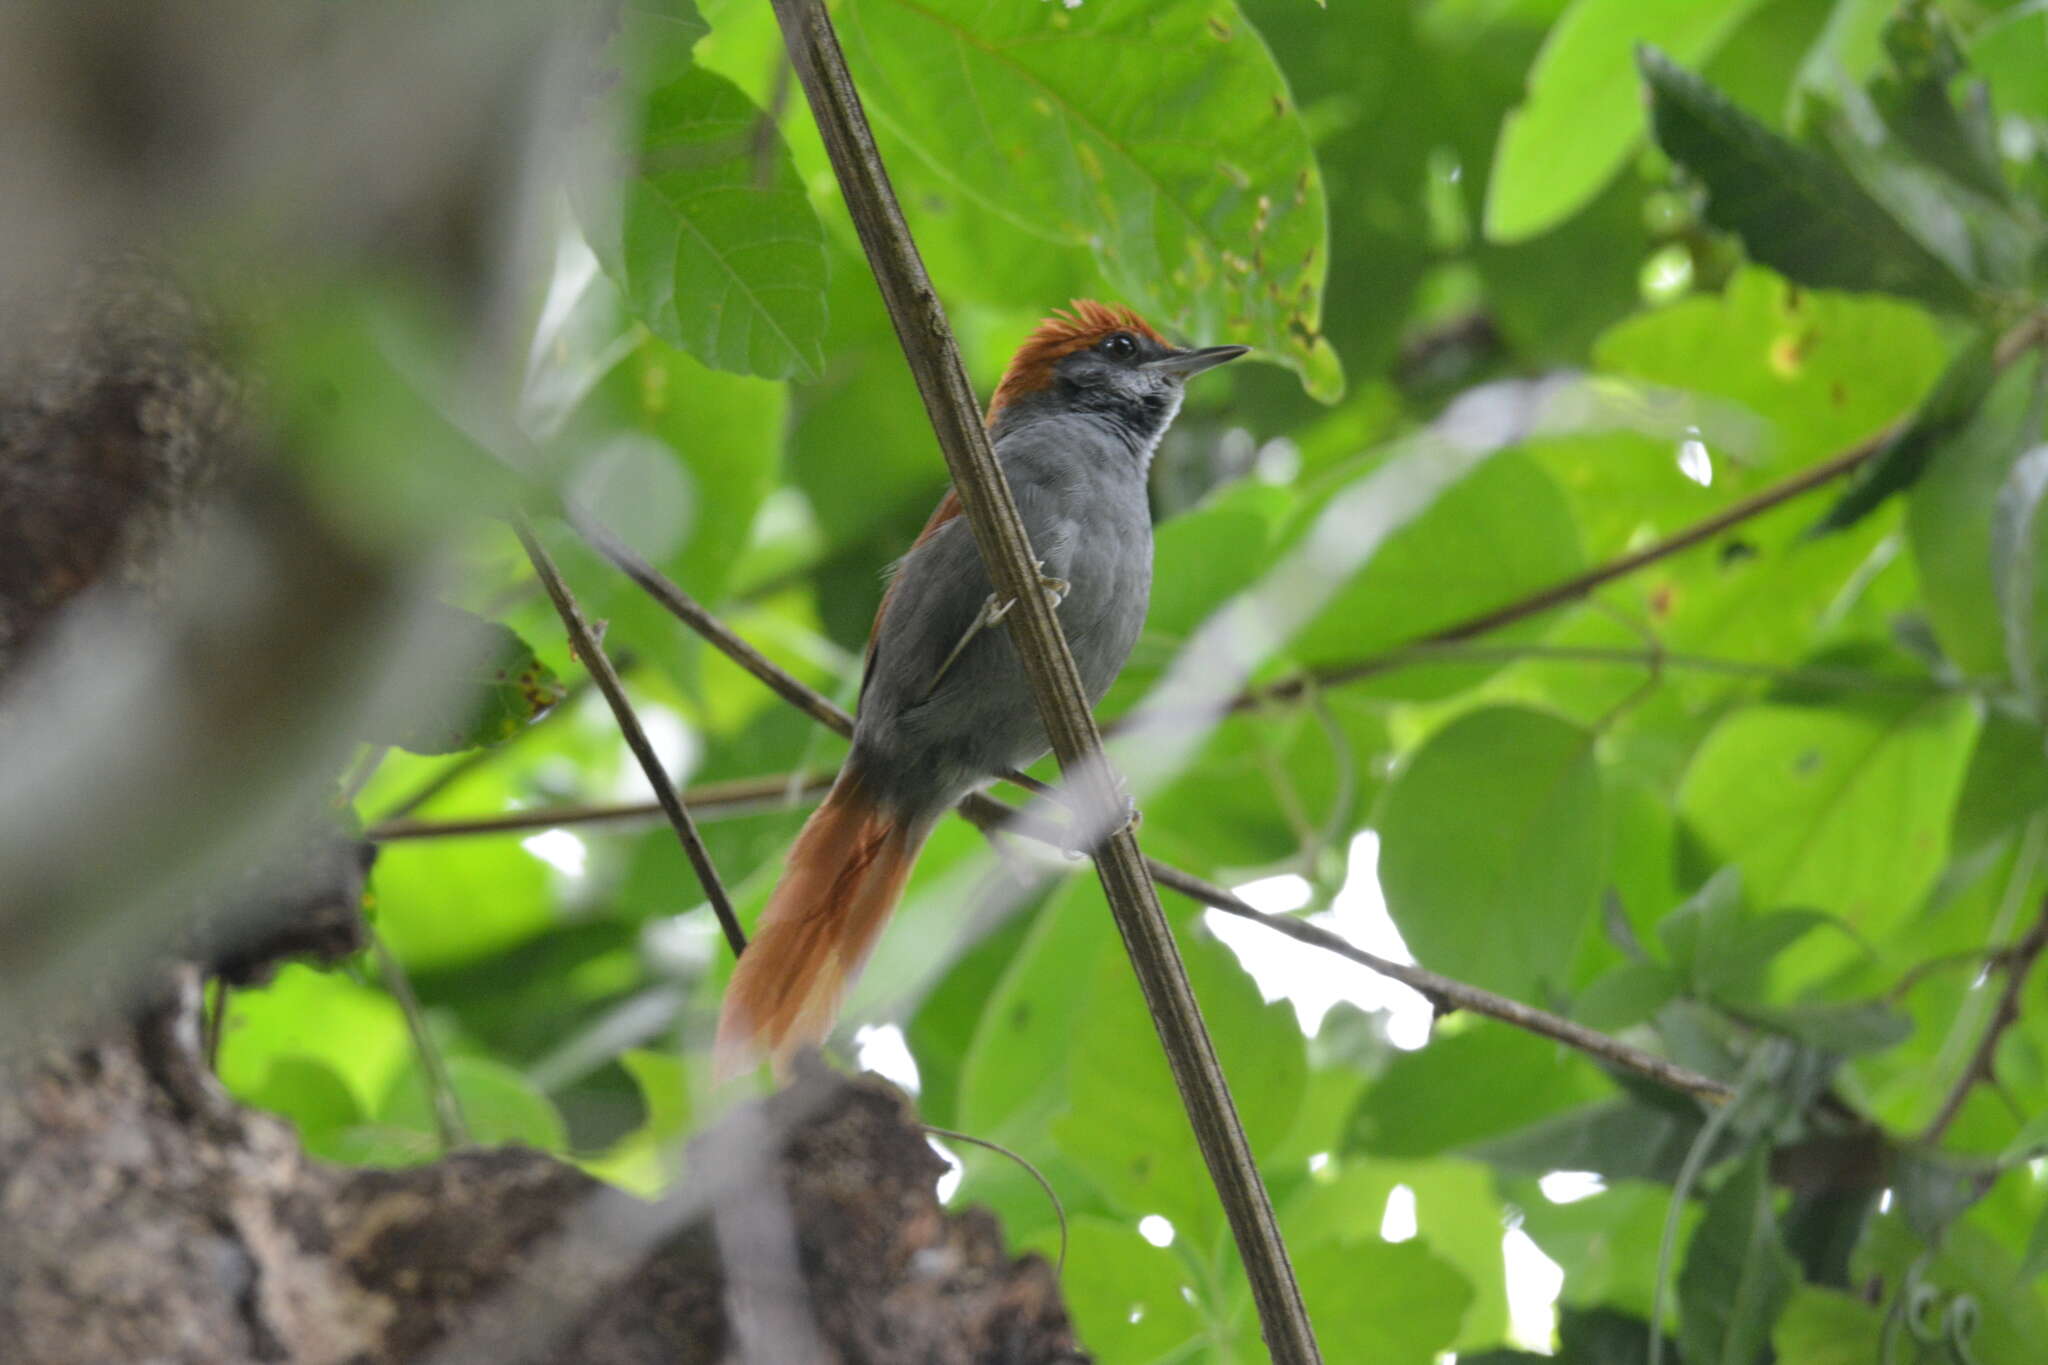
(1126, 1294)
(481, 685)
(1160, 135)
(1795, 211)
(1126, 1124)
(1583, 114)
(313, 1095)
(1492, 848)
(1624, 1139)
(1827, 1327)
(1915, 101)
(355, 1031)
(711, 238)
(499, 1105)
(2017, 567)
(1501, 530)
(1737, 1276)
(1949, 518)
(1606, 1243)
(1465, 1088)
(1847, 812)
(1394, 1302)
(1904, 457)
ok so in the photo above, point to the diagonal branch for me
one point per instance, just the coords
(2027, 335)
(607, 679)
(2016, 962)
(712, 801)
(1063, 704)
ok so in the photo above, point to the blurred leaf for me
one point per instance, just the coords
(1624, 1139)
(1492, 848)
(1125, 1294)
(313, 1017)
(1902, 459)
(1846, 812)
(1465, 1088)
(2007, 781)
(2017, 566)
(1796, 212)
(1161, 135)
(1606, 1244)
(2006, 50)
(442, 904)
(1914, 98)
(1502, 530)
(1397, 1303)
(486, 686)
(1583, 114)
(499, 1105)
(2011, 1319)
(1949, 517)
(311, 1093)
(1737, 1276)
(1840, 1029)
(712, 239)
(1827, 1327)
(1126, 1125)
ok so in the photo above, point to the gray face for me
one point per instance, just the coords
(1134, 381)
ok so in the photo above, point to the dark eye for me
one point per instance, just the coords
(1119, 345)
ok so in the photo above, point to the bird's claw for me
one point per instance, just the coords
(992, 613)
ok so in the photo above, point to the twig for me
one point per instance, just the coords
(713, 800)
(607, 679)
(1466, 997)
(2017, 962)
(2018, 341)
(1063, 704)
(448, 1119)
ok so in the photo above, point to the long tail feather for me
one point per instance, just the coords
(845, 874)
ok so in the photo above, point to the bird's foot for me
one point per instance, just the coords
(992, 613)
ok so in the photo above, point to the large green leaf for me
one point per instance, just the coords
(1160, 134)
(1127, 1296)
(709, 233)
(1502, 530)
(1827, 1327)
(499, 1105)
(1949, 517)
(2018, 566)
(1126, 1125)
(1397, 1303)
(1844, 811)
(1583, 113)
(1492, 848)
(1478, 1084)
(1737, 1276)
(1796, 211)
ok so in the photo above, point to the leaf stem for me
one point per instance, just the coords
(713, 800)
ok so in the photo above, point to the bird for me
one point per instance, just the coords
(944, 703)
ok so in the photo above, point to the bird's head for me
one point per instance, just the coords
(1103, 361)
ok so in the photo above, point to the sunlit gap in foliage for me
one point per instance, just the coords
(881, 1048)
(955, 1172)
(675, 743)
(1534, 1282)
(1694, 459)
(1315, 980)
(1569, 1187)
(559, 849)
(1397, 1224)
(1156, 1229)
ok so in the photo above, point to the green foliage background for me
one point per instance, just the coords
(1775, 805)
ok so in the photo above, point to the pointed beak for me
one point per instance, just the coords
(1185, 363)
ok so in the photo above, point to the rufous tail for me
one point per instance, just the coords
(845, 874)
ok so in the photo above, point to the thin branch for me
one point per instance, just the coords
(607, 679)
(448, 1119)
(2016, 963)
(2027, 335)
(712, 801)
(1455, 992)
(1063, 704)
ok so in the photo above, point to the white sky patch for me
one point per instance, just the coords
(1569, 1187)
(1318, 1161)
(881, 1048)
(675, 744)
(1315, 979)
(559, 849)
(955, 1172)
(1533, 1284)
(1397, 1224)
(1884, 1202)
(1156, 1229)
